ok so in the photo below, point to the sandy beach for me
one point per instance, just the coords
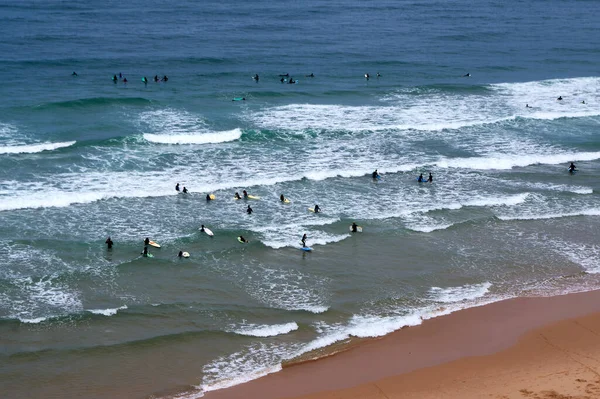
(517, 348)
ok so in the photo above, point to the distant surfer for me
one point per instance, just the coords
(115, 79)
(237, 195)
(378, 75)
(572, 168)
(282, 80)
(249, 210)
(559, 98)
(421, 179)
(527, 106)
(255, 77)
(303, 240)
(185, 190)
(430, 178)
(124, 80)
(312, 75)
(239, 99)
(109, 243)
(467, 75)
(367, 76)
(120, 75)
(202, 228)
(583, 102)
(245, 194)
(145, 251)
(317, 209)
(156, 79)
(74, 74)
(354, 227)
(145, 80)
(242, 239)
(208, 197)
(375, 174)
(180, 254)
(147, 241)
(165, 78)
(282, 198)
(292, 81)
(177, 187)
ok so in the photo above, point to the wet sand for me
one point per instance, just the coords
(518, 348)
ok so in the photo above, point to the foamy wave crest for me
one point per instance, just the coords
(467, 292)
(107, 312)
(255, 330)
(280, 238)
(509, 161)
(33, 148)
(532, 216)
(198, 138)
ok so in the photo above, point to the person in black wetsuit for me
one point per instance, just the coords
(282, 198)
(177, 187)
(109, 243)
(559, 98)
(147, 241)
(430, 178)
(375, 174)
(249, 210)
(354, 227)
(420, 179)
(208, 197)
(115, 79)
(74, 74)
(303, 240)
(165, 78)
(245, 194)
(145, 251)
(156, 79)
(185, 190)
(145, 80)
(572, 167)
(255, 77)
(237, 195)
(317, 209)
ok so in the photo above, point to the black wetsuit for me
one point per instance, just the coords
(109, 243)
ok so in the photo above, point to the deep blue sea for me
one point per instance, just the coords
(465, 90)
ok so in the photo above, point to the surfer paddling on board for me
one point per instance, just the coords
(354, 227)
(317, 209)
(242, 239)
(245, 194)
(281, 198)
(202, 228)
(572, 168)
(237, 195)
(303, 240)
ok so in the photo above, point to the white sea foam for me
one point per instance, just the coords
(466, 292)
(198, 138)
(256, 330)
(509, 161)
(533, 215)
(107, 312)
(34, 148)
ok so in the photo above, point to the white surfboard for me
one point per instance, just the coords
(185, 254)
(208, 231)
(154, 244)
(358, 229)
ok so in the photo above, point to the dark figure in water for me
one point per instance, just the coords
(115, 79)
(572, 167)
(559, 98)
(430, 178)
(237, 195)
(109, 243)
(378, 75)
(375, 174)
(180, 254)
(249, 210)
(74, 74)
(292, 81)
(527, 106)
(177, 187)
(147, 241)
(367, 76)
(303, 240)
(420, 179)
(282, 80)
(255, 77)
(185, 190)
(208, 197)
(145, 80)
(124, 80)
(145, 251)
(245, 194)
(467, 75)
(354, 227)
(120, 75)
(242, 239)
(202, 228)
(312, 75)
(317, 209)
(281, 198)
(156, 79)
(165, 78)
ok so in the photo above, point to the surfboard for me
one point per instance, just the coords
(286, 201)
(240, 240)
(212, 196)
(208, 231)
(311, 209)
(358, 229)
(306, 249)
(154, 244)
(185, 254)
(254, 197)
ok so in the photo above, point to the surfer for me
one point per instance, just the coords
(317, 209)
(559, 98)
(124, 80)
(202, 228)
(180, 254)
(467, 75)
(312, 75)
(237, 195)
(420, 179)
(292, 81)
(165, 78)
(255, 77)
(177, 187)
(208, 197)
(572, 167)
(245, 194)
(156, 79)
(147, 241)
(145, 251)
(282, 198)
(249, 210)
(145, 80)
(185, 190)
(583, 102)
(378, 75)
(354, 227)
(109, 243)
(527, 106)
(120, 75)
(242, 239)
(430, 178)
(115, 79)
(74, 74)
(303, 240)
(375, 174)
(367, 76)
(282, 80)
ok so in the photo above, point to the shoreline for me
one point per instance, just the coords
(461, 336)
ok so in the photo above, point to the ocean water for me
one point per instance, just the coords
(83, 158)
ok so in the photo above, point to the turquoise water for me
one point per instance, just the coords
(83, 158)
